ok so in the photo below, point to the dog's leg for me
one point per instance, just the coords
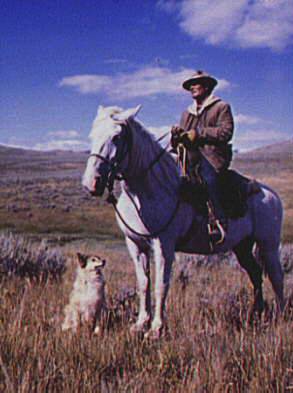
(101, 312)
(95, 325)
(71, 318)
(95, 328)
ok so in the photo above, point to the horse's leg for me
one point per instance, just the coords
(163, 263)
(274, 270)
(245, 257)
(142, 269)
(267, 232)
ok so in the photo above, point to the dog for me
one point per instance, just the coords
(87, 299)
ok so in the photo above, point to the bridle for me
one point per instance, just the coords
(116, 173)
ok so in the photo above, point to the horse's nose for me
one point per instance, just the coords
(98, 187)
(94, 183)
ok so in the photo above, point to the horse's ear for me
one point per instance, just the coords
(100, 110)
(135, 110)
(125, 115)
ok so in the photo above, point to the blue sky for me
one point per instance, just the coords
(61, 59)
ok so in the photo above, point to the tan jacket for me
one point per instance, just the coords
(214, 125)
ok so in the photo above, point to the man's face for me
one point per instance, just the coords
(198, 91)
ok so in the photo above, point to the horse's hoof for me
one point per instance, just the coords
(153, 335)
(139, 329)
(97, 331)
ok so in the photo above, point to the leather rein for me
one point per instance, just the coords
(116, 174)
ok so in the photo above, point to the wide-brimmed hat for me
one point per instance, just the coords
(200, 77)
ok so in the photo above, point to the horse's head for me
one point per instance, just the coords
(111, 143)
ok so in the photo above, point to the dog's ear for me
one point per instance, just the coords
(82, 259)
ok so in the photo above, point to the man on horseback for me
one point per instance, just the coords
(205, 129)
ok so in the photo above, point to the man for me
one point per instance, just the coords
(205, 129)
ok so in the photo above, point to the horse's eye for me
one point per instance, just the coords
(116, 138)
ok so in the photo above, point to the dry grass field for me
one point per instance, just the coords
(209, 345)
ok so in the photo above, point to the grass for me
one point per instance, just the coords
(55, 206)
(209, 345)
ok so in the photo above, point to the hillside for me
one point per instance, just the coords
(21, 164)
(266, 161)
(41, 192)
(284, 149)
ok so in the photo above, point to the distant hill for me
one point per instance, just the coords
(8, 151)
(282, 149)
(21, 164)
(17, 163)
(271, 160)
(41, 191)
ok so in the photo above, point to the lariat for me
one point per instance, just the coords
(182, 158)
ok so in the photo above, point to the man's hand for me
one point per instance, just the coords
(192, 135)
(176, 133)
(187, 138)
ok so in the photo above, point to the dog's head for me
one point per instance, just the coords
(91, 262)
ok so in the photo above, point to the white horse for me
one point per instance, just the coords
(153, 219)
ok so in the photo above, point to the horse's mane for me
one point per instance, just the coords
(149, 150)
(145, 148)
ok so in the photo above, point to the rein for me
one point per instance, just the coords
(115, 176)
(144, 235)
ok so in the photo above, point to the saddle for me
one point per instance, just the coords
(234, 190)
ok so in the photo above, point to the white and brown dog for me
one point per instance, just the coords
(87, 299)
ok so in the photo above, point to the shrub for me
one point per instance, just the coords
(20, 257)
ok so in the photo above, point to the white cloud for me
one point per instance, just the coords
(252, 139)
(115, 61)
(68, 144)
(61, 140)
(212, 20)
(244, 23)
(86, 83)
(269, 23)
(146, 81)
(64, 134)
(241, 119)
(75, 144)
(159, 131)
(162, 134)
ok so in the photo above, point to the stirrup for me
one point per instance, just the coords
(216, 226)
